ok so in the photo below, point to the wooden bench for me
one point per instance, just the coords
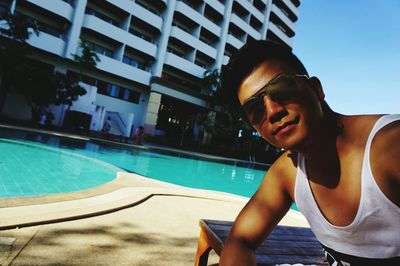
(286, 244)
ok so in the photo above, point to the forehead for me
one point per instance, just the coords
(260, 76)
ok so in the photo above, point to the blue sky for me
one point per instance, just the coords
(353, 47)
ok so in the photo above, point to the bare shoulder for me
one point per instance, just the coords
(359, 122)
(284, 165)
(283, 172)
(356, 128)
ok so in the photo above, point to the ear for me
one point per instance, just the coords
(317, 87)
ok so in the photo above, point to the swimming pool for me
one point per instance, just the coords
(105, 161)
(28, 169)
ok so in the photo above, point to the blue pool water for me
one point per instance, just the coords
(35, 164)
(28, 169)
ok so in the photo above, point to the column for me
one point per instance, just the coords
(75, 31)
(152, 113)
(163, 42)
(264, 29)
(224, 34)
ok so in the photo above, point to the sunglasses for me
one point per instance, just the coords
(282, 88)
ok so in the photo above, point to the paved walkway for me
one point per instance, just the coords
(131, 221)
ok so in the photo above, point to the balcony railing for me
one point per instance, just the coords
(142, 36)
(93, 12)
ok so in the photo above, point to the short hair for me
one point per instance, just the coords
(246, 59)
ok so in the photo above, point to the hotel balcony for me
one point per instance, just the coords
(279, 32)
(119, 35)
(48, 43)
(235, 42)
(193, 41)
(121, 69)
(198, 18)
(147, 16)
(218, 6)
(240, 23)
(285, 19)
(294, 10)
(251, 9)
(140, 44)
(60, 8)
(184, 65)
(96, 24)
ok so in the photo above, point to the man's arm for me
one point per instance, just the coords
(257, 219)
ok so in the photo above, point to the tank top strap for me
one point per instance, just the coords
(379, 124)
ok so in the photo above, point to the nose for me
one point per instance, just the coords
(275, 110)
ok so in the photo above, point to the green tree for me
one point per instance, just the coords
(67, 89)
(211, 83)
(228, 123)
(15, 69)
(87, 58)
(38, 85)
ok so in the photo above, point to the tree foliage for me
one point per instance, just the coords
(17, 27)
(87, 58)
(39, 86)
(15, 30)
(67, 89)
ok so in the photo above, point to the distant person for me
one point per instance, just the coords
(107, 125)
(343, 172)
(138, 137)
(49, 118)
(42, 116)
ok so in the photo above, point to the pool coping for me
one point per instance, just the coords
(128, 190)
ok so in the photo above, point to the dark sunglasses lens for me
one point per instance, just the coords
(283, 90)
(255, 110)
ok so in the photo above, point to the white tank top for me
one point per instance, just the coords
(375, 231)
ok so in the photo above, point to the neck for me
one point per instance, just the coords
(321, 145)
(321, 155)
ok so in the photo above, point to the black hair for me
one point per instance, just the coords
(246, 59)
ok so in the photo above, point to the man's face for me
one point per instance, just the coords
(287, 123)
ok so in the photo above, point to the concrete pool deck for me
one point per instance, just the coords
(133, 220)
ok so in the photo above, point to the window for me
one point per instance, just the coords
(114, 90)
(130, 61)
(134, 96)
(126, 95)
(110, 89)
(135, 63)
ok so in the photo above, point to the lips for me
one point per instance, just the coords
(284, 125)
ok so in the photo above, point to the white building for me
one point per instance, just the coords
(153, 52)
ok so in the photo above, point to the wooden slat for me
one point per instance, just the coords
(286, 244)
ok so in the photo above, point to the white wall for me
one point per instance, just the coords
(120, 106)
(86, 103)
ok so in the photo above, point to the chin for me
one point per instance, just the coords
(294, 142)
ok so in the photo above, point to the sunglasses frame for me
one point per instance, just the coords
(261, 93)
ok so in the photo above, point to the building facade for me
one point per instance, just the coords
(153, 53)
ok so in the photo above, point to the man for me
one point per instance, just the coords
(138, 137)
(343, 172)
(107, 125)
